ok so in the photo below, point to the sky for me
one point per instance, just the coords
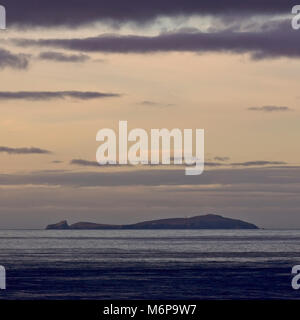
(71, 68)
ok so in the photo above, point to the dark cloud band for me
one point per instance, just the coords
(52, 95)
(88, 163)
(20, 151)
(84, 163)
(281, 41)
(270, 109)
(62, 57)
(259, 163)
(75, 13)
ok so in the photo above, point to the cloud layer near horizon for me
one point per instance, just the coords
(88, 163)
(155, 177)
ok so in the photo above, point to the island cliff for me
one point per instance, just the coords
(209, 221)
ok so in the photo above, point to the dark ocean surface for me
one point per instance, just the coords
(138, 264)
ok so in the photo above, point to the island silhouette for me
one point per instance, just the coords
(209, 221)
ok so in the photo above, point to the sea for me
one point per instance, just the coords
(149, 264)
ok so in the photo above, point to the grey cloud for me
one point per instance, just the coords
(15, 61)
(88, 163)
(84, 163)
(149, 103)
(75, 13)
(278, 42)
(30, 150)
(51, 95)
(63, 57)
(212, 164)
(270, 109)
(223, 159)
(258, 163)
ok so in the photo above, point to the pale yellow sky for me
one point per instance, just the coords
(210, 91)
